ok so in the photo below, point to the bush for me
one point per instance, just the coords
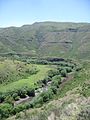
(44, 81)
(78, 68)
(9, 99)
(2, 97)
(38, 101)
(64, 73)
(84, 114)
(68, 69)
(18, 108)
(54, 89)
(27, 105)
(5, 110)
(15, 96)
(32, 104)
(31, 71)
(55, 83)
(18, 115)
(85, 89)
(52, 73)
(57, 78)
(31, 92)
(71, 65)
(47, 95)
(22, 93)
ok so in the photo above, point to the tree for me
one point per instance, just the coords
(22, 93)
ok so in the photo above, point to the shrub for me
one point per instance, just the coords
(15, 96)
(1, 97)
(52, 73)
(18, 108)
(71, 65)
(84, 114)
(27, 105)
(55, 83)
(60, 68)
(44, 81)
(31, 92)
(68, 69)
(85, 89)
(18, 115)
(22, 93)
(57, 78)
(54, 89)
(38, 101)
(5, 110)
(32, 104)
(9, 99)
(47, 95)
(64, 73)
(78, 68)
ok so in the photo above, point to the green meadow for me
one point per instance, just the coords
(29, 82)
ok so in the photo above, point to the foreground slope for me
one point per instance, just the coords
(71, 107)
(71, 103)
(47, 39)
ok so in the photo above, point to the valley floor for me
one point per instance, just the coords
(70, 102)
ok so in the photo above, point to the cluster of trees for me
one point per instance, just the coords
(63, 71)
(37, 101)
(47, 95)
(10, 97)
(50, 61)
(7, 107)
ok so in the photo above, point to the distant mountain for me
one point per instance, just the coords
(47, 39)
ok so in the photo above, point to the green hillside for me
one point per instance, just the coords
(45, 71)
(47, 39)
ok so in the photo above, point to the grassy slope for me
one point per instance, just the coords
(79, 79)
(13, 70)
(66, 108)
(26, 82)
(69, 106)
(48, 39)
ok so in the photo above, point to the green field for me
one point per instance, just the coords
(29, 82)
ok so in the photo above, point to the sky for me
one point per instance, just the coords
(20, 12)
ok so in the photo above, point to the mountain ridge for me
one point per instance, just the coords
(60, 39)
